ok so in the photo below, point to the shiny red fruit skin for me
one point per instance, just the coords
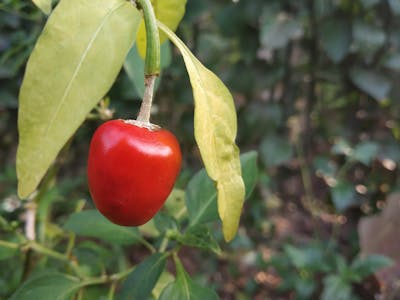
(131, 171)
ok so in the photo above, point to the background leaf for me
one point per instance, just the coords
(91, 223)
(184, 288)
(336, 288)
(49, 285)
(343, 195)
(336, 38)
(275, 151)
(140, 283)
(365, 266)
(277, 35)
(85, 42)
(370, 82)
(169, 12)
(215, 133)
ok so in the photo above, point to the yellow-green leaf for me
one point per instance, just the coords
(74, 63)
(169, 12)
(215, 132)
(44, 5)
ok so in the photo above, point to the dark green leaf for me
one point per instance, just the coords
(277, 35)
(91, 223)
(7, 252)
(164, 222)
(324, 167)
(365, 152)
(393, 62)
(343, 195)
(51, 285)
(143, 278)
(374, 84)
(200, 237)
(365, 266)
(201, 193)
(336, 38)
(249, 171)
(275, 151)
(184, 288)
(201, 196)
(335, 288)
(395, 6)
(369, 3)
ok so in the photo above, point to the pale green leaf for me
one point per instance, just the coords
(74, 63)
(44, 5)
(49, 285)
(215, 132)
(169, 12)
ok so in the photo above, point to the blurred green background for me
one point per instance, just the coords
(315, 84)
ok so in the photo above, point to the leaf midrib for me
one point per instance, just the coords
(78, 67)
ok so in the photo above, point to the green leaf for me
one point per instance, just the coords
(275, 151)
(44, 5)
(370, 82)
(201, 196)
(336, 38)
(7, 252)
(336, 288)
(200, 237)
(369, 3)
(140, 283)
(365, 266)
(74, 63)
(50, 285)
(367, 38)
(395, 6)
(277, 34)
(91, 223)
(215, 127)
(249, 165)
(365, 152)
(343, 195)
(169, 12)
(184, 288)
(201, 193)
(393, 62)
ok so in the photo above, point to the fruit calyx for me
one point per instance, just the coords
(141, 124)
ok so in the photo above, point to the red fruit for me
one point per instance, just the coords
(132, 170)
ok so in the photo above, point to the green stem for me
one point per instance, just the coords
(9, 245)
(56, 255)
(112, 291)
(152, 61)
(164, 244)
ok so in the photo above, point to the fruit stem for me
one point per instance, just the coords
(152, 61)
(145, 108)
